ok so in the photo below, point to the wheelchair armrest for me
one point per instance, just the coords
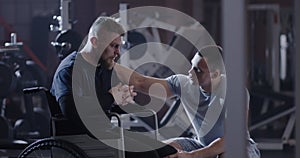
(112, 114)
(34, 90)
(154, 114)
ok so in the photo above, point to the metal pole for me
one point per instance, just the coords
(234, 53)
(297, 73)
(64, 13)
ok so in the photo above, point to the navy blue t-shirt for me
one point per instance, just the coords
(88, 79)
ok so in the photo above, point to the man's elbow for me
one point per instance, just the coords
(140, 84)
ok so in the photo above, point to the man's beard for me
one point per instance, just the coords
(105, 63)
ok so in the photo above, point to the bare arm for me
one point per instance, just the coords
(214, 149)
(149, 85)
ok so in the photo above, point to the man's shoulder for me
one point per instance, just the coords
(178, 78)
(181, 81)
(69, 60)
(67, 63)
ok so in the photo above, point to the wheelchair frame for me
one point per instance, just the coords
(78, 144)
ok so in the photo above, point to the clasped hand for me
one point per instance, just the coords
(123, 94)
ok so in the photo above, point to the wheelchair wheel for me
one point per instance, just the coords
(52, 148)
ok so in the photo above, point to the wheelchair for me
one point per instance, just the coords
(66, 141)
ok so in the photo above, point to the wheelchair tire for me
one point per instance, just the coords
(53, 148)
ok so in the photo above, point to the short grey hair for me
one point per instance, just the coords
(104, 23)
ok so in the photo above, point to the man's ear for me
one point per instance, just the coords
(94, 42)
(216, 74)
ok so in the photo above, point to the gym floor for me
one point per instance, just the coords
(286, 153)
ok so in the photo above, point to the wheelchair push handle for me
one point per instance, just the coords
(34, 90)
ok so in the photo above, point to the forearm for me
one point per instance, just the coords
(125, 74)
(145, 84)
(131, 77)
(212, 150)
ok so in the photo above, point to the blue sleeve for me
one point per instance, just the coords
(174, 84)
(62, 84)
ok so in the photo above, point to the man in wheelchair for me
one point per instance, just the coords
(87, 74)
(95, 60)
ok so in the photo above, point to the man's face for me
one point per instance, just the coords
(199, 72)
(111, 52)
